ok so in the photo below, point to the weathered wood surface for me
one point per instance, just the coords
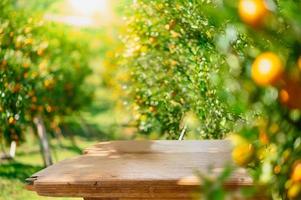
(137, 170)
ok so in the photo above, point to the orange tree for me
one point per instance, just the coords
(269, 88)
(171, 61)
(220, 67)
(43, 67)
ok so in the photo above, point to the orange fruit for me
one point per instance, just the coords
(290, 94)
(34, 99)
(267, 69)
(263, 137)
(49, 83)
(17, 88)
(296, 175)
(299, 62)
(33, 107)
(277, 169)
(40, 108)
(4, 63)
(28, 41)
(243, 154)
(49, 108)
(11, 120)
(25, 65)
(252, 12)
(294, 191)
(284, 96)
(40, 52)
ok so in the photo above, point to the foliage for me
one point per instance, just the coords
(36, 5)
(43, 68)
(271, 135)
(215, 67)
(172, 61)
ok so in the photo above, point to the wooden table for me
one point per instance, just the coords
(132, 170)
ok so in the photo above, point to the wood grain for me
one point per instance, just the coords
(138, 170)
(133, 199)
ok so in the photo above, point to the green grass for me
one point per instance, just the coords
(28, 161)
(100, 123)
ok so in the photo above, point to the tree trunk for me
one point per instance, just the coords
(182, 134)
(12, 150)
(44, 144)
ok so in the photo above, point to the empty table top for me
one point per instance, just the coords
(138, 169)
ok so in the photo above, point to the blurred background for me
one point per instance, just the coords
(76, 72)
(58, 48)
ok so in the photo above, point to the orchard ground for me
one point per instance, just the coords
(96, 122)
(28, 161)
(100, 122)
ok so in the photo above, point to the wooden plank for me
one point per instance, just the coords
(138, 169)
(117, 192)
(134, 199)
(192, 198)
(159, 146)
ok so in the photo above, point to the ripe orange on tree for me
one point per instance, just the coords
(294, 191)
(11, 120)
(296, 174)
(263, 137)
(267, 69)
(290, 94)
(252, 12)
(243, 154)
